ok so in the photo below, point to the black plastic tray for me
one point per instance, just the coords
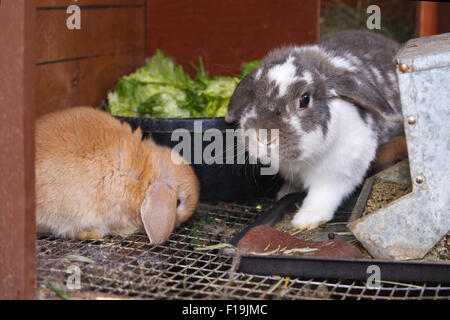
(312, 267)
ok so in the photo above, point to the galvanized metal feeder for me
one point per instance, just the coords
(409, 227)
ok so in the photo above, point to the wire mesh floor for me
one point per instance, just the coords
(117, 267)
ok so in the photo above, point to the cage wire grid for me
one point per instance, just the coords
(131, 267)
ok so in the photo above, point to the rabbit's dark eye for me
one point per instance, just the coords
(304, 101)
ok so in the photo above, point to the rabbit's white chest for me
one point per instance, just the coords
(342, 156)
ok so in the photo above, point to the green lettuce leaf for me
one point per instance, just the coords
(161, 89)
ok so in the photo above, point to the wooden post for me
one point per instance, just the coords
(17, 199)
(426, 18)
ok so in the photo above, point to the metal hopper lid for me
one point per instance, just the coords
(425, 53)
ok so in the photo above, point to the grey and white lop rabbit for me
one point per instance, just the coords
(334, 103)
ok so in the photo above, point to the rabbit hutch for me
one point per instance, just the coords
(58, 54)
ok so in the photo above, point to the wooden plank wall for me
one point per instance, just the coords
(226, 32)
(78, 67)
(17, 220)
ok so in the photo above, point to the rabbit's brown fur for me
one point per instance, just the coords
(93, 174)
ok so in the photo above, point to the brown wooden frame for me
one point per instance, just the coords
(17, 199)
(426, 18)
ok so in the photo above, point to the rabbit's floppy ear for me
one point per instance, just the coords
(158, 211)
(363, 93)
(241, 97)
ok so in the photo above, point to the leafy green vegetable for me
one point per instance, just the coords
(247, 67)
(162, 90)
(163, 105)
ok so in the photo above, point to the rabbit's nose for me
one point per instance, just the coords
(266, 138)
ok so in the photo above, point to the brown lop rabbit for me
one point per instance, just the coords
(94, 177)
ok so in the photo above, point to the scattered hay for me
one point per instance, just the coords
(383, 193)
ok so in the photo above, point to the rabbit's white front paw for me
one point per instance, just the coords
(309, 219)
